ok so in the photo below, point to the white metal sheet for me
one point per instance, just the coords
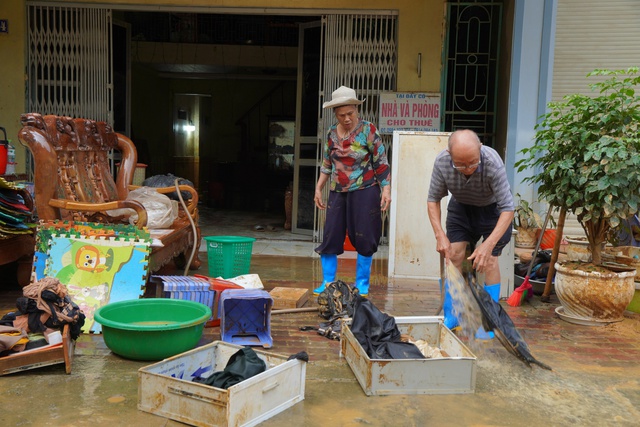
(412, 243)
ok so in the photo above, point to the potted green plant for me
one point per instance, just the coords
(525, 222)
(528, 224)
(585, 157)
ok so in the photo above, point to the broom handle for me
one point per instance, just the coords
(535, 251)
(443, 278)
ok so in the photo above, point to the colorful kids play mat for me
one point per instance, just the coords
(98, 263)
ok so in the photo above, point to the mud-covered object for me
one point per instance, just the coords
(169, 180)
(337, 300)
(378, 333)
(243, 364)
(539, 268)
(495, 319)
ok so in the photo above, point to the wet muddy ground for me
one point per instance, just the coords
(595, 379)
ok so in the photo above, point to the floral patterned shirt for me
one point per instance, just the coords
(357, 161)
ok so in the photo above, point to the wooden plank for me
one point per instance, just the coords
(289, 297)
(41, 357)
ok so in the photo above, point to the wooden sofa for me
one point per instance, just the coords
(74, 181)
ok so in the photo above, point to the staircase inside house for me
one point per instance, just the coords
(259, 179)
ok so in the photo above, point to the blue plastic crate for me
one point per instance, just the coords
(246, 317)
(191, 289)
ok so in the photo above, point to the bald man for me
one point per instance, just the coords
(481, 206)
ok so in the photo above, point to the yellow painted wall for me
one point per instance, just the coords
(12, 75)
(420, 24)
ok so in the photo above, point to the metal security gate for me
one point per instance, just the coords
(69, 61)
(470, 58)
(359, 51)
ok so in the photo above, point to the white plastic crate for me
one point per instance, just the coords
(167, 389)
(455, 373)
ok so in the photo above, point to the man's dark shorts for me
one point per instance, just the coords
(467, 223)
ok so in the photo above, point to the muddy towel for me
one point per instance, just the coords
(244, 364)
(12, 337)
(378, 333)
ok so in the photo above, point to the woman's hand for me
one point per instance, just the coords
(385, 199)
(317, 199)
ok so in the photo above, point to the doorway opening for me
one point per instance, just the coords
(250, 66)
(207, 92)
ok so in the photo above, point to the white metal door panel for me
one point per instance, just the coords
(69, 61)
(412, 244)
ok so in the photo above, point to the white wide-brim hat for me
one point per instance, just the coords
(342, 96)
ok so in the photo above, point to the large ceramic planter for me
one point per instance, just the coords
(578, 249)
(598, 296)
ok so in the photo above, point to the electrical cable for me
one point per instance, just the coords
(193, 228)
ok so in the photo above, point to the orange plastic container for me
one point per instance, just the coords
(218, 285)
(548, 238)
(348, 246)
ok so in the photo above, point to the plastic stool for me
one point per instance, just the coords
(246, 317)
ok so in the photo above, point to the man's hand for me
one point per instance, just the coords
(481, 257)
(443, 245)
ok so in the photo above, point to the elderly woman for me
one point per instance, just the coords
(355, 163)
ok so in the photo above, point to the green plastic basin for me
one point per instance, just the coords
(634, 305)
(152, 329)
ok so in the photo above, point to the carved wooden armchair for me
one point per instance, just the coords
(73, 181)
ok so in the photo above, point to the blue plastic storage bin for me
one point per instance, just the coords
(246, 317)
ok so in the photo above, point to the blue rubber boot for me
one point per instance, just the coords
(450, 319)
(494, 293)
(329, 268)
(363, 274)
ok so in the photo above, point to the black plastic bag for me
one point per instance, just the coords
(378, 333)
(495, 319)
(243, 364)
(169, 180)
